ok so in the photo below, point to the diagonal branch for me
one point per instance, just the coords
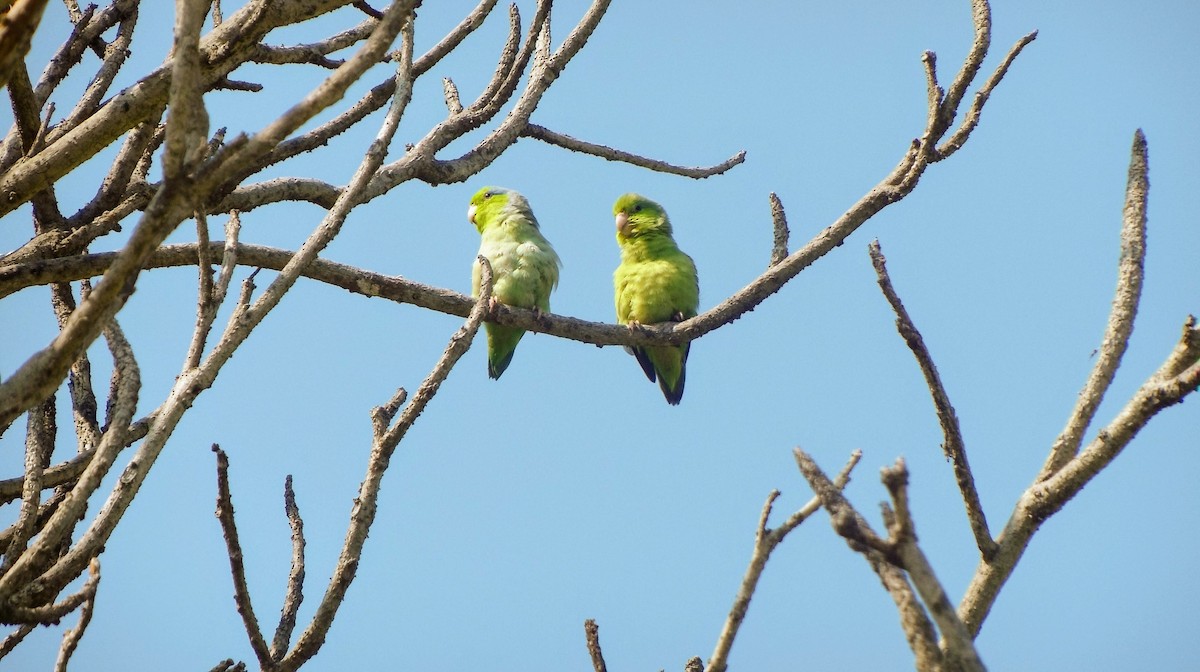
(953, 445)
(59, 527)
(384, 445)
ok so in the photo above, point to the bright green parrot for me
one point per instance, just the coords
(656, 282)
(524, 266)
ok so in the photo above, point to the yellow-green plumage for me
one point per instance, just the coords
(656, 282)
(524, 266)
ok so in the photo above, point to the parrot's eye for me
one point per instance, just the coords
(637, 208)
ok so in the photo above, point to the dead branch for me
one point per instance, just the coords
(550, 137)
(384, 445)
(294, 595)
(1178, 377)
(953, 445)
(765, 541)
(17, 26)
(592, 632)
(881, 555)
(237, 567)
(1130, 276)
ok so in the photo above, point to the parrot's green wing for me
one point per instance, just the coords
(524, 265)
(656, 282)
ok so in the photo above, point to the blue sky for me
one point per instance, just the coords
(567, 490)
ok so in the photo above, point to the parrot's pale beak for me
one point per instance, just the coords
(471, 214)
(622, 222)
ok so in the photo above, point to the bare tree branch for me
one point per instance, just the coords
(72, 636)
(958, 646)
(18, 23)
(57, 530)
(1130, 275)
(39, 445)
(1178, 376)
(592, 632)
(52, 477)
(233, 548)
(294, 595)
(953, 446)
(550, 137)
(779, 246)
(765, 541)
(883, 559)
(384, 445)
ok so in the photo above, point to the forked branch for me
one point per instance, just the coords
(765, 541)
(1068, 469)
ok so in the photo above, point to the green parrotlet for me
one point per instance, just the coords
(656, 282)
(524, 265)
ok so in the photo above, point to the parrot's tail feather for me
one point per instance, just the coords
(502, 345)
(643, 358)
(673, 395)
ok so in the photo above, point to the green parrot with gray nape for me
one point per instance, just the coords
(656, 282)
(524, 266)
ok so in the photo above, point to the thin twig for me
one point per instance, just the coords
(450, 93)
(294, 595)
(84, 407)
(72, 636)
(765, 541)
(12, 639)
(233, 548)
(206, 307)
(114, 58)
(39, 445)
(971, 119)
(538, 132)
(953, 445)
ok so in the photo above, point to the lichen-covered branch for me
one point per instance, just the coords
(1130, 275)
(1067, 468)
